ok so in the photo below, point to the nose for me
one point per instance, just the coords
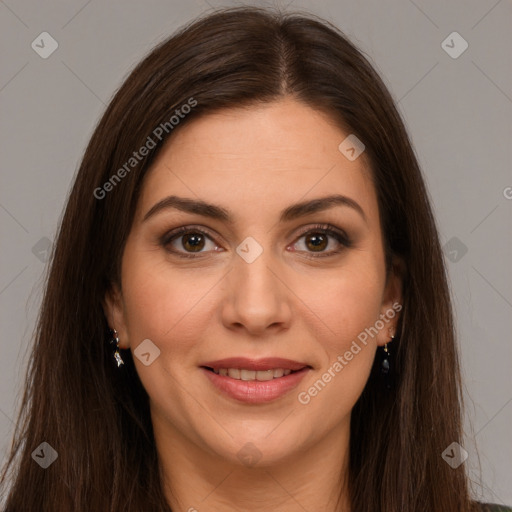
(257, 297)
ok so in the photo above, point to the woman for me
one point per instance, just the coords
(247, 307)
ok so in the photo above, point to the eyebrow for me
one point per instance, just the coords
(219, 213)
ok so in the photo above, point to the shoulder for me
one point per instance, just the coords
(492, 507)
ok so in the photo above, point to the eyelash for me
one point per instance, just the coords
(325, 229)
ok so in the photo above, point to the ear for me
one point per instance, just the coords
(392, 301)
(113, 307)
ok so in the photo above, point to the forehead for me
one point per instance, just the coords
(262, 156)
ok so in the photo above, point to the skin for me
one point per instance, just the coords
(255, 162)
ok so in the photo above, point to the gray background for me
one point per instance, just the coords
(458, 112)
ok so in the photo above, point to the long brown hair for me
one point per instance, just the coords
(96, 416)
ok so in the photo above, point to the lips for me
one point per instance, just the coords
(248, 380)
(255, 391)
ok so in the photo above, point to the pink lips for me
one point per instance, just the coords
(255, 392)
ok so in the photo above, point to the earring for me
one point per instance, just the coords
(385, 364)
(115, 340)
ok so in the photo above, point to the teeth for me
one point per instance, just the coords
(234, 374)
(260, 375)
(247, 374)
(265, 375)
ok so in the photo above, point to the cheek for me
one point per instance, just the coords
(348, 307)
(163, 306)
(348, 356)
(349, 301)
(159, 300)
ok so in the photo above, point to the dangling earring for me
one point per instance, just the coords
(115, 340)
(385, 364)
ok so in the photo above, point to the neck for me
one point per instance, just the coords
(197, 479)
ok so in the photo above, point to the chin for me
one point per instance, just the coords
(260, 451)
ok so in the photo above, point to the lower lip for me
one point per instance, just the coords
(255, 391)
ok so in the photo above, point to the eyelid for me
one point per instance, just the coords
(329, 228)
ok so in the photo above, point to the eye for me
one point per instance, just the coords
(193, 239)
(317, 239)
(189, 241)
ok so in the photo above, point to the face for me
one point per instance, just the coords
(308, 286)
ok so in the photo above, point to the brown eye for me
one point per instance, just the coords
(317, 241)
(186, 241)
(193, 242)
(318, 238)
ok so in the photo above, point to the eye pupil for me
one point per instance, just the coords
(318, 240)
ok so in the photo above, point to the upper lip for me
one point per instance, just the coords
(267, 363)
